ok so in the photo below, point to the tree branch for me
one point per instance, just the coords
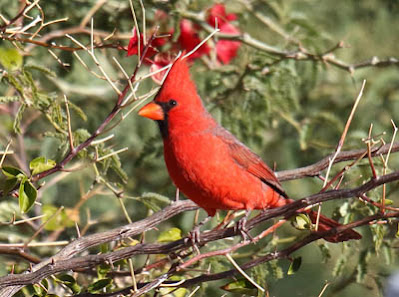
(316, 168)
(63, 260)
(301, 54)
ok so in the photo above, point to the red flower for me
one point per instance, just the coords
(133, 47)
(189, 39)
(219, 11)
(226, 50)
(160, 60)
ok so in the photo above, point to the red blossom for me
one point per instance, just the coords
(226, 50)
(133, 47)
(189, 39)
(218, 11)
(160, 60)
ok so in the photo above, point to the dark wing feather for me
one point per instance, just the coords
(251, 162)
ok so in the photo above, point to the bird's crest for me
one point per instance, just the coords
(179, 86)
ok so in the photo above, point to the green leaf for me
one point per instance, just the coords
(154, 201)
(41, 290)
(41, 69)
(40, 164)
(102, 270)
(70, 282)
(294, 266)
(99, 285)
(8, 99)
(8, 208)
(10, 58)
(78, 110)
(170, 235)
(361, 268)
(302, 222)
(242, 286)
(339, 266)
(388, 202)
(27, 195)
(18, 118)
(9, 184)
(172, 292)
(325, 252)
(276, 270)
(343, 210)
(61, 221)
(12, 172)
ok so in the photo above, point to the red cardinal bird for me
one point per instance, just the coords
(206, 162)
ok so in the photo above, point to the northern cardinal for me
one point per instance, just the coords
(207, 163)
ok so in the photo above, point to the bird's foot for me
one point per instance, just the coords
(194, 236)
(241, 226)
(177, 197)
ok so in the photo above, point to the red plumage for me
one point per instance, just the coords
(206, 162)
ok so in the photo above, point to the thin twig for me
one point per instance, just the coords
(242, 272)
(70, 134)
(340, 145)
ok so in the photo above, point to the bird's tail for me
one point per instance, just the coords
(326, 224)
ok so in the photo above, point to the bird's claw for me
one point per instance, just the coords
(194, 238)
(195, 234)
(241, 226)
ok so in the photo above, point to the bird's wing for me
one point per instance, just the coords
(251, 162)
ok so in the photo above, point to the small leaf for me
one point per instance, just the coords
(302, 222)
(276, 270)
(154, 201)
(339, 266)
(8, 99)
(78, 110)
(66, 218)
(99, 285)
(27, 195)
(170, 235)
(325, 252)
(103, 270)
(41, 290)
(70, 282)
(362, 265)
(41, 69)
(343, 210)
(18, 119)
(8, 208)
(172, 292)
(12, 172)
(388, 202)
(294, 266)
(9, 184)
(242, 286)
(10, 58)
(40, 164)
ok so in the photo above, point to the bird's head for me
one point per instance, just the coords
(177, 102)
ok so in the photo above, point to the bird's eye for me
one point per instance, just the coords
(172, 103)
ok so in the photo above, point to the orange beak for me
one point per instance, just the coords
(152, 111)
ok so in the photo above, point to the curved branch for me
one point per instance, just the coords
(316, 168)
(250, 264)
(300, 54)
(63, 260)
